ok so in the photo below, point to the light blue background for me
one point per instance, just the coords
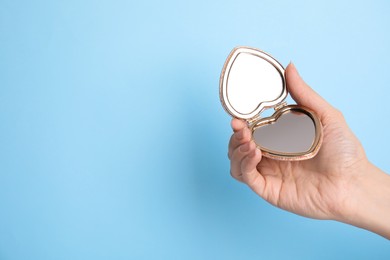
(113, 140)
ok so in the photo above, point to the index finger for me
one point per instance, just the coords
(238, 124)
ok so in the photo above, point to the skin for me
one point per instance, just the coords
(339, 183)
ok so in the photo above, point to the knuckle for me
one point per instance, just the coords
(233, 174)
(236, 154)
(338, 113)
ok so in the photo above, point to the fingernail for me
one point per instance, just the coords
(245, 147)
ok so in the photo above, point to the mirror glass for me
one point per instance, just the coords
(252, 80)
(292, 132)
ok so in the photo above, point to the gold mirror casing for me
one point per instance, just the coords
(293, 145)
(252, 81)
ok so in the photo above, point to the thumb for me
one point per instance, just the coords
(302, 93)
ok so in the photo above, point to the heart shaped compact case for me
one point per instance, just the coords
(251, 82)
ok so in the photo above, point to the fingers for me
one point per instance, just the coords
(238, 124)
(244, 157)
(302, 93)
(242, 135)
(243, 166)
(250, 174)
(237, 157)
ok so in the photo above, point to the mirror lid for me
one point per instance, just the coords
(251, 80)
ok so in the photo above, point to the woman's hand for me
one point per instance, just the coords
(324, 187)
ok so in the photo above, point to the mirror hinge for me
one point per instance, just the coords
(253, 120)
(279, 106)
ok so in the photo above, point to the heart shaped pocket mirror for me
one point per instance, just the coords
(252, 81)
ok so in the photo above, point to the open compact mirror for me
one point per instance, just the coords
(251, 82)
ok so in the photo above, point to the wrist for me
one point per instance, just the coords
(368, 203)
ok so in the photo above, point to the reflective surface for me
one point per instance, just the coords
(250, 81)
(292, 132)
